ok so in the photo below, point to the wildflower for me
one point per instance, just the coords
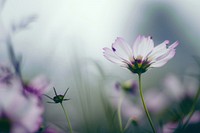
(59, 99)
(38, 86)
(19, 113)
(177, 89)
(129, 86)
(175, 126)
(143, 54)
(129, 110)
(157, 101)
(49, 128)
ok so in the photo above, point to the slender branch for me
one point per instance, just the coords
(144, 105)
(66, 115)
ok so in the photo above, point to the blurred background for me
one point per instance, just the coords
(65, 41)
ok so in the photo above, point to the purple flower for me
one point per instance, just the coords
(177, 89)
(129, 109)
(143, 54)
(18, 113)
(171, 126)
(50, 130)
(156, 100)
(129, 86)
(38, 86)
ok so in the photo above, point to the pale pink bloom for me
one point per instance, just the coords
(131, 110)
(128, 108)
(194, 119)
(8, 79)
(177, 89)
(23, 114)
(156, 101)
(129, 86)
(142, 55)
(171, 126)
(50, 130)
(38, 86)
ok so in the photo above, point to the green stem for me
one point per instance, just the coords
(128, 123)
(119, 114)
(144, 105)
(192, 108)
(66, 115)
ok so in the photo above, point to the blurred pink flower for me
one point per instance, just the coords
(177, 89)
(19, 113)
(128, 108)
(38, 86)
(129, 86)
(8, 79)
(156, 101)
(171, 126)
(50, 130)
(143, 54)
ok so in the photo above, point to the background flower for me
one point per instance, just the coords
(23, 114)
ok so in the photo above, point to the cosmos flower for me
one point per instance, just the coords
(38, 86)
(129, 86)
(179, 88)
(18, 113)
(128, 109)
(170, 127)
(156, 101)
(142, 55)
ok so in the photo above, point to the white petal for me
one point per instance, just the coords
(164, 60)
(174, 45)
(158, 51)
(142, 46)
(122, 49)
(169, 53)
(111, 56)
(158, 64)
(135, 46)
(148, 47)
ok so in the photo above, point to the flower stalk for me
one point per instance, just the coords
(119, 113)
(66, 115)
(144, 105)
(59, 99)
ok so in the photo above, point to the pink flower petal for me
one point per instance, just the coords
(163, 60)
(142, 46)
(158, 50)
(174, 45)
(122, 49)
(135, 46)
(111, 56)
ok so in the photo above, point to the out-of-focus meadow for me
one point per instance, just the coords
(64, 42)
